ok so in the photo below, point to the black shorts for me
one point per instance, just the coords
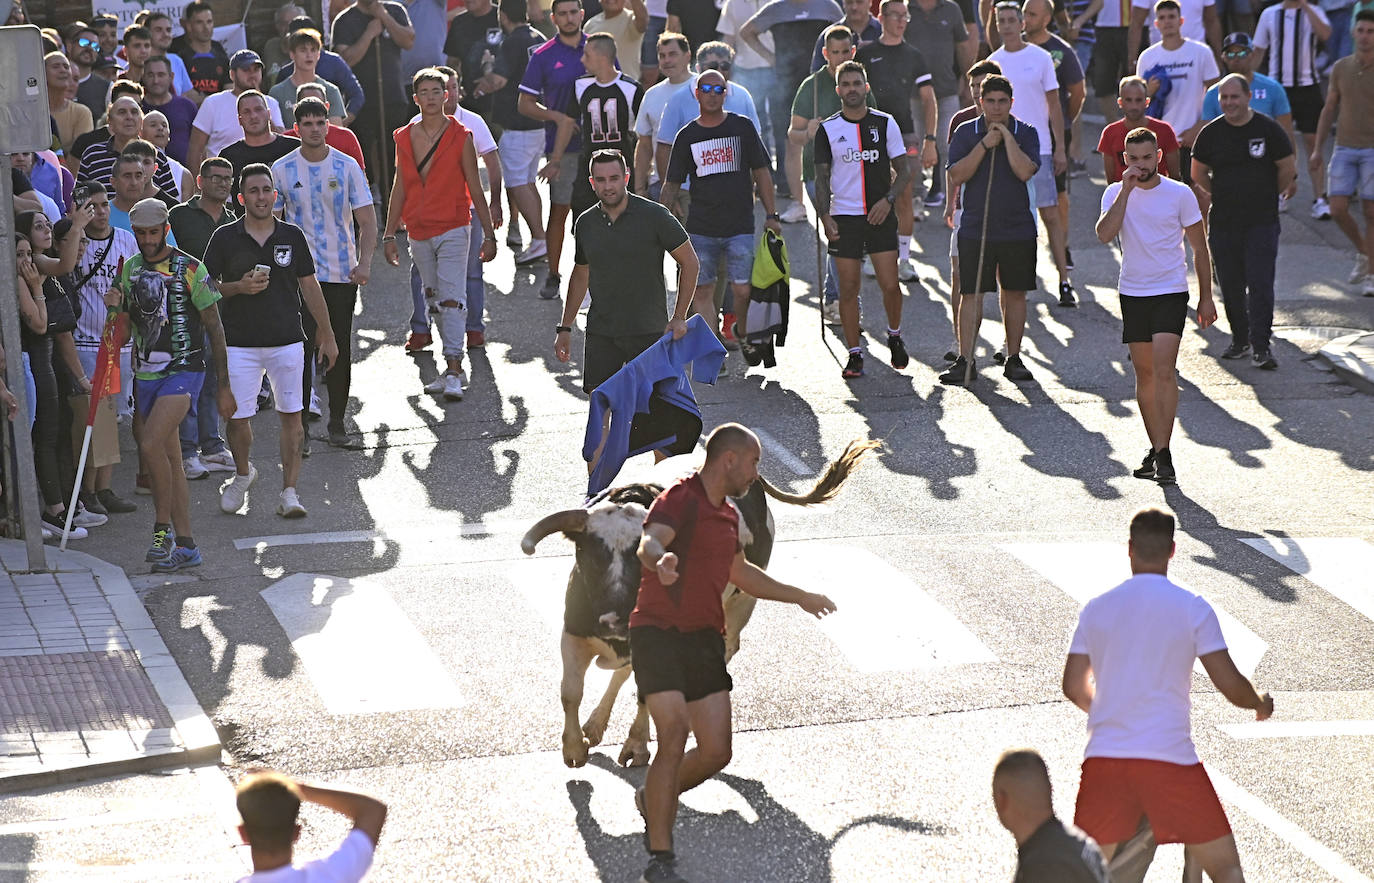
(1144, 317)
(690, 663)
(1306, 103)
(1012, 262)
(858, 237)
(604, 355)
(1109, 60)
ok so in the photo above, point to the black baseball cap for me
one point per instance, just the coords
(1239, 38)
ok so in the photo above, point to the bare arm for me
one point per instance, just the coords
(688, 265)
(961, 171)
(653, 552)
(662, 150)
(195, 153)
(964, 54)
(641, 15)
(1202, 176)
(1022, 166)
(751, 37)
(1173, 164)
(1328, 118)
(1133, 36)
(28, 203)
(1078, 681)
(801, 130)
(1321, 28)
(1211, 28)
(1083, 18)
(366, 219)
(492, 161)
(763, 182)
(1236, 687)
(644, 158)
(753, 581)
(531, 107)
(577, 290)
(368, 814)
(667, 196)
(1288, 174)
(479, 199)
(1109, 223)
(1202, 265)
(402, 35)
(1060, 155)
(1078, 93)
(66, 348)
(313, 298)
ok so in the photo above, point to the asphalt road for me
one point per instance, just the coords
(958, 557)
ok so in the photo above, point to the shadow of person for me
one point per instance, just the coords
(1225, 554)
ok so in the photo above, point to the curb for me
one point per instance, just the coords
(1349, 357)
(199, 741)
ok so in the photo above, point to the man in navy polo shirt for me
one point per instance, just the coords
(995, 155)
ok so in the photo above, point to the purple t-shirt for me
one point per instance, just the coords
(549, 76)
(180, 113)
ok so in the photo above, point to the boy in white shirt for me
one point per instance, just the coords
(269, 804)
(1191, 68)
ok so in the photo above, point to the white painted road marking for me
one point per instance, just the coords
(1085, 570)
(330, 620)
(885, 622)
(427, 533)
(1272, 729)
(1343, 566)
(1320, 854)
(778, 452)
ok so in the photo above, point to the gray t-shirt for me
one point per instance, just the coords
(935, 34)
(795, 25)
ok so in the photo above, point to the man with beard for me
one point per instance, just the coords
(207, 62)
(217, 123)
(172, 308)
(1153, 216)
(691, 550)
(83, 49)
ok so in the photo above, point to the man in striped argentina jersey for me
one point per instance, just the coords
(857, 150)
(323, 191)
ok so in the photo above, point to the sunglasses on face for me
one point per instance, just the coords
(717, 66)
(712, 88)
(1237, 53)
(87, 43)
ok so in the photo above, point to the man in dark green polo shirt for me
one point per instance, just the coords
(202, 447)
(620, 243)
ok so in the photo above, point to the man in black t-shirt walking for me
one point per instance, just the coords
(855, 193)
(259, 143)
(1046, 848)
(1245, 160)
(725, 159)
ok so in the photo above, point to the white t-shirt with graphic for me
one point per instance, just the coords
(1189, 66)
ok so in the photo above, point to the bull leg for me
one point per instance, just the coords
(738, 608)
(577, 655)
(636, 749)
(595, 727)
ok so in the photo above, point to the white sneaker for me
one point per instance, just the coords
(220, 461)
(1367, 287)
(86, 518)
(831, 311)
(1283, 204)
(453, 387)
(194, 468)
(436, 386)
(234, 493)
(1361, 268)
(289, 505)
(315, 408)
(793, 214)
(1320, 210)
(868, 266)
(906, 270)
(538, 249)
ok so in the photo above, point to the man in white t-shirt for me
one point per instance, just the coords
(1031, 72)
(674, 63)
(1201, 24)
(1130, 667)
(1190, 68)
(269, 804)
(627, 26)
(1153, 215)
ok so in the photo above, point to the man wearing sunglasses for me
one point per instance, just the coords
(83, 50)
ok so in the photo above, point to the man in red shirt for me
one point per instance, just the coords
(338, 137)
(691, 551)
(1133, 99)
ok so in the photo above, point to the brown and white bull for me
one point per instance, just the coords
(604, 585)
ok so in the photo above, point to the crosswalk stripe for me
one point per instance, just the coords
(1272, 729)
(330, 621)
(885, 621)
(1340, 565)
(1085, 570)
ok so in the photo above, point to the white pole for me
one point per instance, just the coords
(76, 489)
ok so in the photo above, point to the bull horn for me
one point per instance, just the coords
(568, 521)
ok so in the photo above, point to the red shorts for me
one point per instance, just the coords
(1179, 801)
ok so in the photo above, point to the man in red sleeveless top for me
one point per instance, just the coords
(435, 192)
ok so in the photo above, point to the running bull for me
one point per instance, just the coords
(604, 586)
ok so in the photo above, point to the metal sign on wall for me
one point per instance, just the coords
(125, 10)
(24, 122)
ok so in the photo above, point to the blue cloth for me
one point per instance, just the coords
(1266, 96)
(682, 108)
(659, 372)
(333, 68)
(1161, 73)
(46, 179)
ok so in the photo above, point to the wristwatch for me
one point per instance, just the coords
(775, 217)
(930, 138)
(891, 199)
(562, 329)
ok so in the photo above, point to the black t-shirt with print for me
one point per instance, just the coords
(720, 161)
(475, 41)
(895, 73)
(1245, 173)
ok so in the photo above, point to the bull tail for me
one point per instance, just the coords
(829, 484)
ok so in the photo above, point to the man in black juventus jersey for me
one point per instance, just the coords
(604, 105)
(857, 150)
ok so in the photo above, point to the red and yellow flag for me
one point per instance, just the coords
(106, 381)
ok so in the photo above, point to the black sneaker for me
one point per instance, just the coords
(1236, 351)
(113, 502)
(552, 283)
(898, 349)
(662, 869)
(1265, 359)
(854, 367)
(1016, 370)
(1164, 467)
(91, 501)
(999, 358)
(1068, 257)
(1066, 297)
(955, 373)
(1147, 466)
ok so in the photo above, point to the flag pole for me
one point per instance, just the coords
(76, 489)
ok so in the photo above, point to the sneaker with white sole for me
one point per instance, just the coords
(868, 267)
(1360, 270)
(906, 270)
(453, 387)
(193, 468)
(1321, 211)
(86, 518)
(289, 504)
(1367, 287)
(793, 214)
(234, 493)
(831, 311)
(538, 250)
(316, 411)
(219, 461)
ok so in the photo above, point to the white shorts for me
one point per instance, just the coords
(521, 151)
(285, 370)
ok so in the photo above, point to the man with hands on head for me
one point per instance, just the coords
(269, 804)
(691, 553)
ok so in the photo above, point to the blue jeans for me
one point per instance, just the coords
(200, 427)
(476, 286)
(832, 288)
(1244, 258)
(738, 252)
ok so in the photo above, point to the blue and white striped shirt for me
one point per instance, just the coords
(320, 198)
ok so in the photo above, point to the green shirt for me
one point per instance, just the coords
(165, 320)
(192, 225)
(822, 106)
(624, 258)
(285, 93)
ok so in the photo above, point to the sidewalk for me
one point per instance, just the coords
(87, 688)
(1352, 357)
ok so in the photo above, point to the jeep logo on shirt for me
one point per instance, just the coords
(853, 155)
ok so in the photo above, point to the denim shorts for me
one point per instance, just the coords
(178, 383)
(738, 252)
(1044, 191)
(1351, 169)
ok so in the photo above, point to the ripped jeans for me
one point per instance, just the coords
(443, 264)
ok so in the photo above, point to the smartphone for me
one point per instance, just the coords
(262, 268)
(80, 195)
